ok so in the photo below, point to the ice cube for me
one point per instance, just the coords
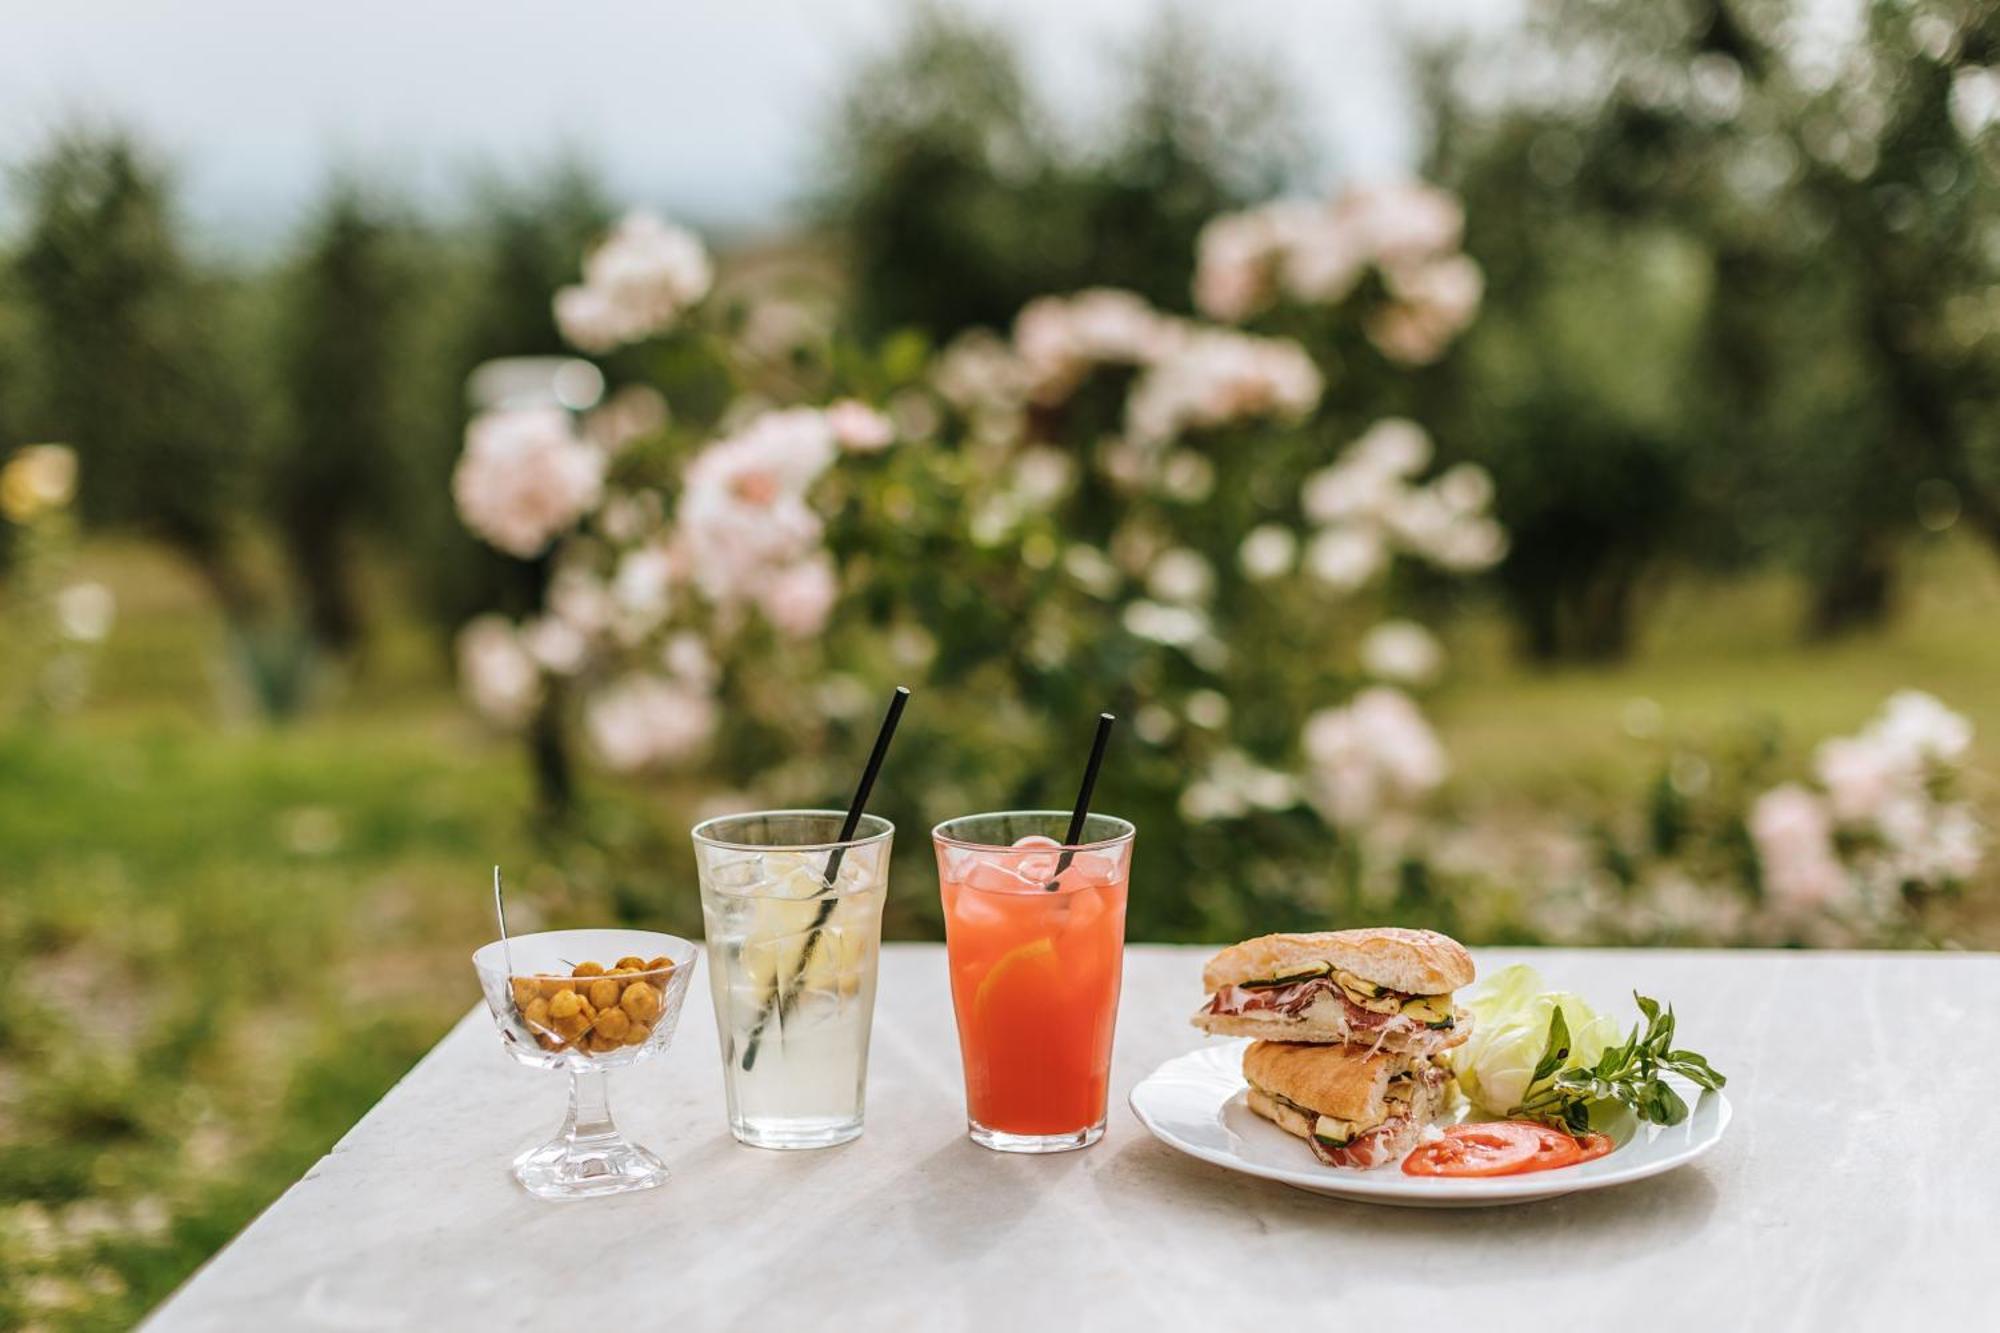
(992, 875)
(793, 875)
(737, 873)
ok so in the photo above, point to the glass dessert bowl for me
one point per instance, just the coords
(586, 1002)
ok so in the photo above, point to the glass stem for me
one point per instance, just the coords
(589, 1107)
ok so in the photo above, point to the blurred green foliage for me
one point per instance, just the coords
(1740, 298)
(959, 198)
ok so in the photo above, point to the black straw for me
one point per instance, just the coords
(1082, 811)
(867, 783)
(777, 1000)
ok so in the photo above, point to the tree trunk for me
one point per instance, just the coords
(1856, 592)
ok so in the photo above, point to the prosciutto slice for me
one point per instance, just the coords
(1292, 1001)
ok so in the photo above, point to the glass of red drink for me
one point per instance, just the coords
(1035, 936)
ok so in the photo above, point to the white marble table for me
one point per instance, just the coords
(1848, 1194)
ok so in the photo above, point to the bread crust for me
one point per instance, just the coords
(1345, 1082)
(1415, 962)
(1392, 1148)
(1314, 1026)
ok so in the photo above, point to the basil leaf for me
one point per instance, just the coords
(1662, 1105)
(1556, 1051)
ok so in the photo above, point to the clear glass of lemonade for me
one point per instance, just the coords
(1035, 939)
(792, 964)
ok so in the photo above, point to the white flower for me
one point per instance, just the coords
(1209, 378)
(1793, 834)
(556, 645)
(743, 515)
(1465, 488)
(1092, 570)
(632, 413)
(1468, 546)
(979, 373)
(1208, 709)
(1187, 476)
(1402, 650)
(1317, 251)
(1060, 338)
(1322, 258)
(1268, 551)
(1235, 784)
(85, 612)
(1917, 725)
(859, 427)
(643, 585)
(687, 659)
(1345, 558)
(1393, 447)
(1432, 303)
(589, 320)
(1344, 491)
(1181, 575)
(38, 478)
(1860, 775)
(636, 283)
(1376, 751)
(496, 672)
(1404, 221)
(629, 518)
(641, 721)
(525, 478)
(1041, 476)
(1233, 262)
(1975, 99)
(1174, 626)
(581, 600)
(799, 598)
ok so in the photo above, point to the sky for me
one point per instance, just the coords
(709, 109)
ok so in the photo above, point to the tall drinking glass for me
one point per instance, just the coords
(792, 967)
(1035, 936)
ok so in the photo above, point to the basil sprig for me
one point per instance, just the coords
(1628, 1074)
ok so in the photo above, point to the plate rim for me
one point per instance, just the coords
(1386, 1187)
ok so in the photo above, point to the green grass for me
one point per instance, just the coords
(220, 942)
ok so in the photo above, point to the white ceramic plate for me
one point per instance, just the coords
(1195, 1103)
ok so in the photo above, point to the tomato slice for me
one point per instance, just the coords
(1594, 1146)
(1501, 1148)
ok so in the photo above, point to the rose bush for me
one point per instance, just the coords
(1106, 506)
(1217, 532)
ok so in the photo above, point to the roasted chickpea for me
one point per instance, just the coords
(636, 1033)
(554, 986)
(525, 989)
(537, 1014)
(640, 1002)
(603, 991)
(612, 1023)
(600, 1044)
(571, 1015)
(587, 969)
(548, 1043)
(660, 964)
(629, 964)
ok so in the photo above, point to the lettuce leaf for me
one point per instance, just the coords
(1510, 1025)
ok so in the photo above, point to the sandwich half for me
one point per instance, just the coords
(1352, 1108)
(1384, 988)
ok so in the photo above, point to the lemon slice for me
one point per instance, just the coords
(1038, 955)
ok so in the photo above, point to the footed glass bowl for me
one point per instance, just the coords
(586, 1002)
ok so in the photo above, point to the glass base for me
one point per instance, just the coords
(568, 1168)
(1000, 1141)
(800, 1133)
